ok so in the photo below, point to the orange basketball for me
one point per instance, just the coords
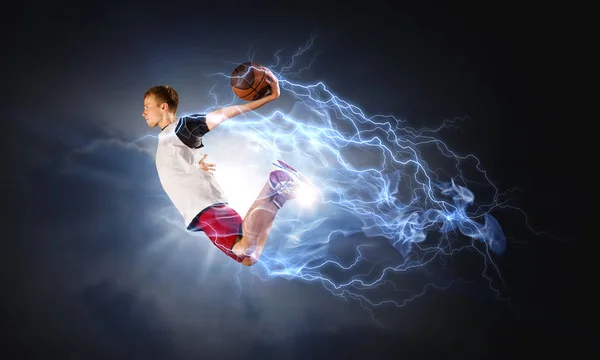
(249, 81)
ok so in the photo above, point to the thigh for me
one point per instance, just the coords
(223, 226)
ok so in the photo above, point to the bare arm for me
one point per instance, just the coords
(216, 117)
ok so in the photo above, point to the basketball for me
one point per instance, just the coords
(249, 81)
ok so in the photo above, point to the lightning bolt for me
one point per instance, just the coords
(384, 211)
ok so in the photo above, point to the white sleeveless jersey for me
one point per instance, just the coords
(190, 188)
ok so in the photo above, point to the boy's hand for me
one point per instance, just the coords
(273, 83)
(206, 166)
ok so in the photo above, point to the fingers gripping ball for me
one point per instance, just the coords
(249, 81)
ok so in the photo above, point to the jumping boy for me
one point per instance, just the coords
(188, 180)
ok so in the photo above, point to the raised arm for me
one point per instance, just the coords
(216, 117)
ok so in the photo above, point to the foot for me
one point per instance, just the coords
(284, 180)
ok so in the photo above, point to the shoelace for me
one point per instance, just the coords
(286, 187)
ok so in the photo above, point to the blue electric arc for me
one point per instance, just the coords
(383, 210)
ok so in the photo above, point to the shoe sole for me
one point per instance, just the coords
(285, 168)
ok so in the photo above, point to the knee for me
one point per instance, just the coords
(249, 261)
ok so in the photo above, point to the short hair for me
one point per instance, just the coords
(165, 94)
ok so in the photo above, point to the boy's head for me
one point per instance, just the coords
(159, 102)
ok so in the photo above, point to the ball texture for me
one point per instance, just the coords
(249, 81)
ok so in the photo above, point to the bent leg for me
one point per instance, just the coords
(256, 227)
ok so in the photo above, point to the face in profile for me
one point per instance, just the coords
(153, 111)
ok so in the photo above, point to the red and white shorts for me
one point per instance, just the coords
(222, 225)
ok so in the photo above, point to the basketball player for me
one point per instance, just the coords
(188, 180)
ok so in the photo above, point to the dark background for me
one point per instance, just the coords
(503, 67)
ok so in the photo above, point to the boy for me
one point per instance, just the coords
(189, 182)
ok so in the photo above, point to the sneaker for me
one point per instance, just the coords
(284, 180)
